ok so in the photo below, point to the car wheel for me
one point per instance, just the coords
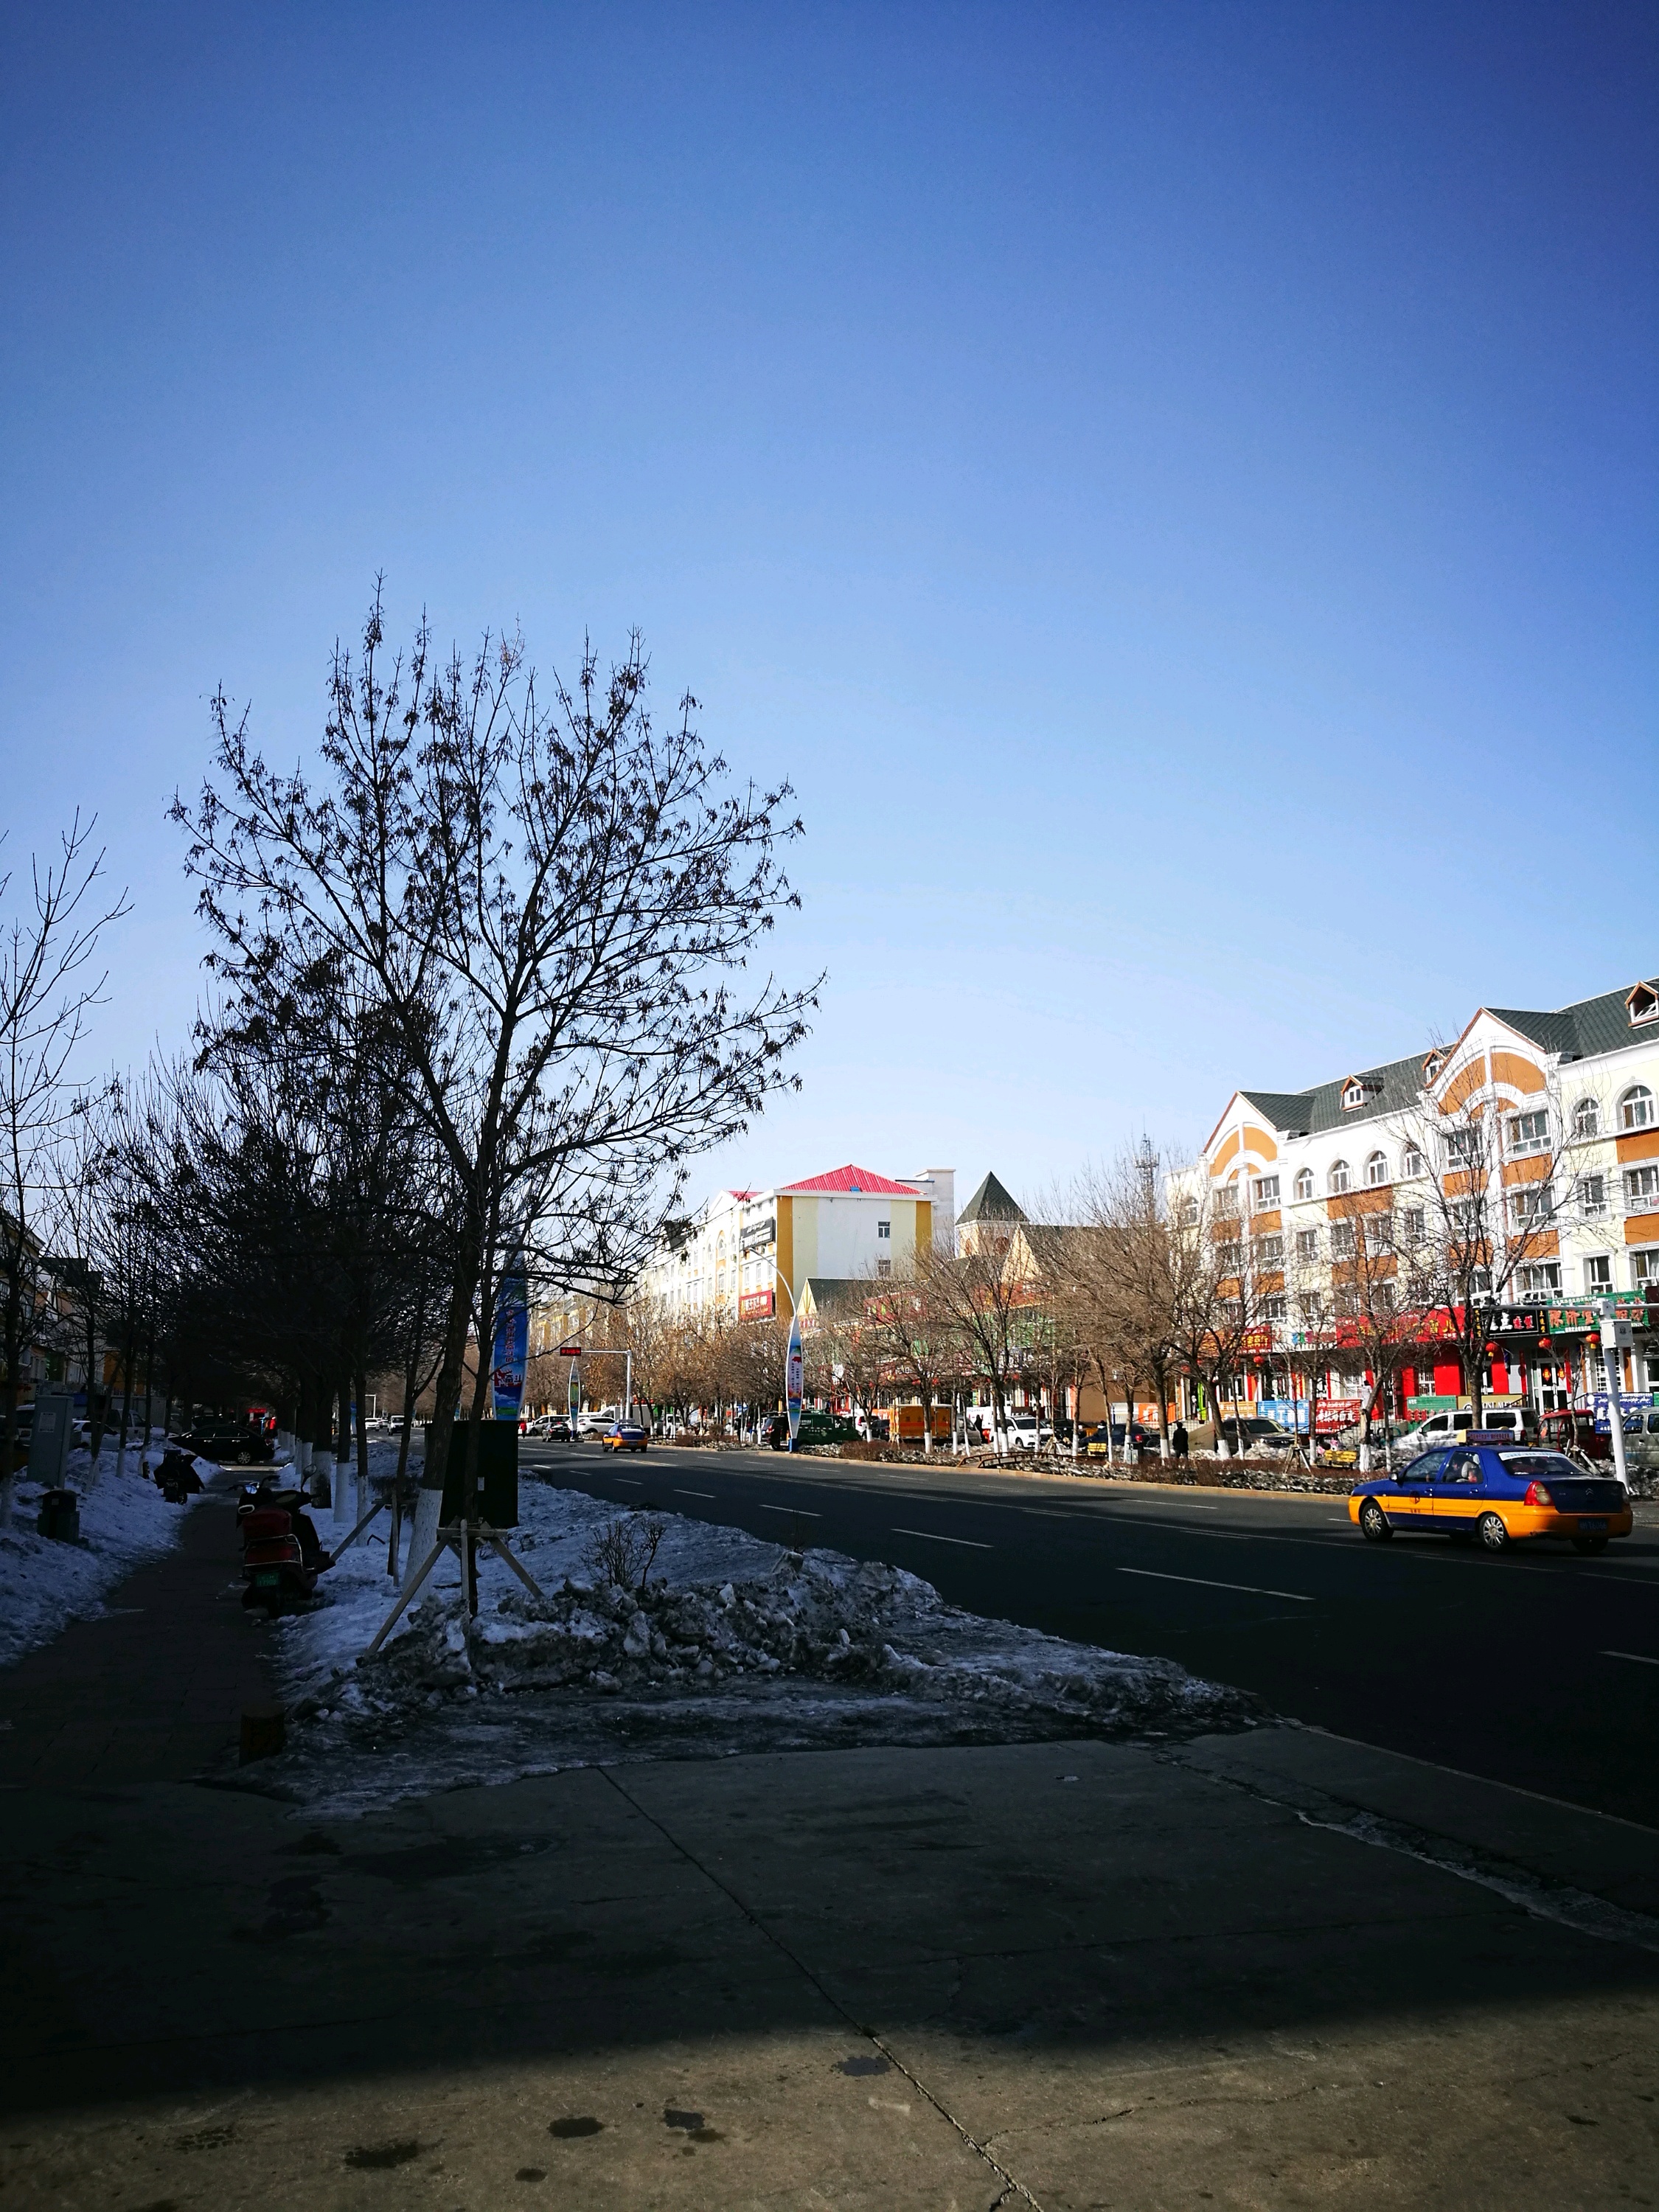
(244, 1457)
(1374, 1522)
(1589, 1543)
(1494, 1535)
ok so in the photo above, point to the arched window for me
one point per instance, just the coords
(1414, 1163)
(1304, 1182)
(1587, 1119)
(1636, 1107)
(1376, 1169)
(1338, 1180)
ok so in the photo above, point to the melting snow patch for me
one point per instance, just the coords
(45, 1584)
(735, 1645)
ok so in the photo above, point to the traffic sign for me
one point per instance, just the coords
(570, 1351)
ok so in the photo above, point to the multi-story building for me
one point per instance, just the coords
(1562, 1108)
(729, 1258)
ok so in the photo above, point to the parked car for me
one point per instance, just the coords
(624, 1436)
(1251, 1435)
(1446, 1426)
(229, 1444)
(594, 1423)
(815, 1428)
(1487, 1492)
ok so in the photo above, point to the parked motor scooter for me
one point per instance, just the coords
(282, 1554)
(176, 1477)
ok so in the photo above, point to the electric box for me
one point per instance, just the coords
(54, 1424)
(497, 1492)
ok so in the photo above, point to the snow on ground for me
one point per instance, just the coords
(735, 1645)
(45, 1584)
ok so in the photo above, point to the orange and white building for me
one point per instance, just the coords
(1574, 1094)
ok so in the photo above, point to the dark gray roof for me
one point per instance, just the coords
(991, 1203)
(838, 1294)
(1592, 1026)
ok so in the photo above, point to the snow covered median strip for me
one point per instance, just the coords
(43, 1584)
(733, 1644)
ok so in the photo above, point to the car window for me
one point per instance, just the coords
(1536, 1465)
(1425, 1468)
(1460, 1467)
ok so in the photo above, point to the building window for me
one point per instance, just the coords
(1226, 1202)
(1636, 1107)
(1531, 1208)
(1342, 1240)
(1230, 1258)
(1432, 1066)
(1304, 1182)
(1379, 1233)
(1529, 1133)
(1644, 1266)
(1591, 1193)
(1414, 1163)
(883, 1266)
(1463, 1148)
(1642, 1004)
(1307, 1244)
(1270, 1252)
(1598, 1272)
(1641, 1188)
(1266, 1192)
(1541, 1282)
(1272, 1308)
(1189, 1214)
(1338, 1180)
(884, 1228)
(1414, 1226)
(1587, 1119)
(1376, 1170)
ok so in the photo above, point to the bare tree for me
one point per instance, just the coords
(46, 994)
(548, 904)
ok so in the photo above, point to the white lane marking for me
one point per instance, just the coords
(629, 1480)
(1254, 1589)
(1640, 1657)
(800, 1509)
(928, 1536)
(709, 1494)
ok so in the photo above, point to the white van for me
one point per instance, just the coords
(1444, 1428)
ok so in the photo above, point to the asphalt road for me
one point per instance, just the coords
(1537, 1667)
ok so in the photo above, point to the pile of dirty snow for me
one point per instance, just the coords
(43, 1583)
(733, 1643)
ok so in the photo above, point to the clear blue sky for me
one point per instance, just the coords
(1173, 485)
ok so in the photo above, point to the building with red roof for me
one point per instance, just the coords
(747, 1254)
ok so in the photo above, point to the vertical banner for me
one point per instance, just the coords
(512, 1340)
(575, 1392)
(792, 1379)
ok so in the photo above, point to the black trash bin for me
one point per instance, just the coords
(60, 1515)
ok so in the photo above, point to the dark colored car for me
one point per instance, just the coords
(1493, 1493)
(229, 1444)
(815, 1429)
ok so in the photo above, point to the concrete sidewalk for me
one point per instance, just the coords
(1067, 1975)
(1259, 1970)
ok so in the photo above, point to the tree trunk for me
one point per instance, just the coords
(128, 1352)
(437, 1463)
(343, 1515)
(362, 1446)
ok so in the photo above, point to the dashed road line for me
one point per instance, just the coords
(800, 1511)
(1254, 1590)
(708, 1494)
(932, 1536)
(1640, 1657)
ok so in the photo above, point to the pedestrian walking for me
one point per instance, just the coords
(1179, 1441)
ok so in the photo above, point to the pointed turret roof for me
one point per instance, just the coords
(990, 1202)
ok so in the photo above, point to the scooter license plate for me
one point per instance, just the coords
(271, 1581)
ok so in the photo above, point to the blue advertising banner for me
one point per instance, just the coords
(1633, 1404)
(793, 1393)
(512, 1340)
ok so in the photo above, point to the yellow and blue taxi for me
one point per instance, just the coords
(1488, 1490)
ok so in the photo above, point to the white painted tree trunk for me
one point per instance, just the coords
(429, 1504)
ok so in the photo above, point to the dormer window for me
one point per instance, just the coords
(1432, 1066)
(1642, 1004)
(1359, 1090)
